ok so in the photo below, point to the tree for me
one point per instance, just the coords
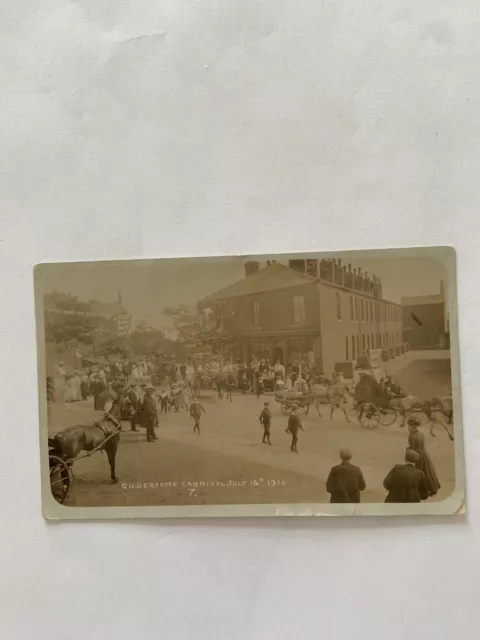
(147, 340)
(184, 320)
(67, 319)
(115, 346)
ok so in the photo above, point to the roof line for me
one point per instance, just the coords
(213, 296)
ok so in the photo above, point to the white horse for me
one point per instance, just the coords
(336, 395)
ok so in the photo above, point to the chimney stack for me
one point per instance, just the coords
(251, 268)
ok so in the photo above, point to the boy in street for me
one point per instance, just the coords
(196, 413)
(294, 425)
(265, 418)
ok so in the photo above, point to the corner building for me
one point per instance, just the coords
(318, 312)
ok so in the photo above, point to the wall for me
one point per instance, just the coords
(363, 330)
(276, 311)
(432, 332)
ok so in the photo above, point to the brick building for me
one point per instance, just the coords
(425, 321)
(319, 312)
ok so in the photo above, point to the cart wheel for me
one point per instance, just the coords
(59, 478)
(387, 416)
(368, 415)
(286, 409)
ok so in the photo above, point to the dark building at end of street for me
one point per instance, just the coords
(426, 321)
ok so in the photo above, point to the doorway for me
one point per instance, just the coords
(278, 355)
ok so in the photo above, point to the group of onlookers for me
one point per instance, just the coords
(413, 481)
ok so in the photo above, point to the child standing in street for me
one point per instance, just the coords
(265, 418)
(196, 413)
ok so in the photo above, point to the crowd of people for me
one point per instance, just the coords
(140, 391)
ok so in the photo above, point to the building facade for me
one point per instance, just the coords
(317, 312)
(426, 321)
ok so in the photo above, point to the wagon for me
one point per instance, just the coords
(60, 466)
(290, 399)
(372, 404)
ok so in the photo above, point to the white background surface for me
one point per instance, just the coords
(167, 128)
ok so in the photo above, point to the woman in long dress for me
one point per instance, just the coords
(71, 389)
(67, 394)
(416, 441)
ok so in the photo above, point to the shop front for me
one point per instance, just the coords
(286, 350)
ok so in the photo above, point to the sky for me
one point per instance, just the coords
(147, 286)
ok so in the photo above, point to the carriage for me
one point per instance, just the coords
(373, 404)
(290, 399)
(201, 381)
(60, 465)
(60, 477)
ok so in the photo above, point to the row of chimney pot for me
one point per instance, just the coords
(332, 271)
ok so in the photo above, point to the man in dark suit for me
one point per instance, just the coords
(133, 399)
(406, 483)
(345, 480)
(150, 412)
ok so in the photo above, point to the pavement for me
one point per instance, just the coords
(227, 462)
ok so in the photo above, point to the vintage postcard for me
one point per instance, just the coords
(319, 384)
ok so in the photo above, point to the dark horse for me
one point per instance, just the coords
(224, 384)
(101, 436)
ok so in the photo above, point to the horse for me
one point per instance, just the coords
(70, 442)
(224, 384)
(433, 409)
(335, 394)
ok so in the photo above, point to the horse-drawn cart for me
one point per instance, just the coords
(65, 447)
(59, 474)
(290, 399)
(373, 404)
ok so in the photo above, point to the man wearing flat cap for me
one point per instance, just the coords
(406, 483)
(345, 480)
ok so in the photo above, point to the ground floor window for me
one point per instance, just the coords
(346, 349)
(298, 351)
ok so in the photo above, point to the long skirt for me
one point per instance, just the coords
(426, 465)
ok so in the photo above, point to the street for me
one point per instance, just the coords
(227, 462)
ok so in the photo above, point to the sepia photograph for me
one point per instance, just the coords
(255, 385)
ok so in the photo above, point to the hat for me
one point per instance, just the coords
(266, 404)
(149, 387)
(345, 454)
(411, 456)
(413, 422)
